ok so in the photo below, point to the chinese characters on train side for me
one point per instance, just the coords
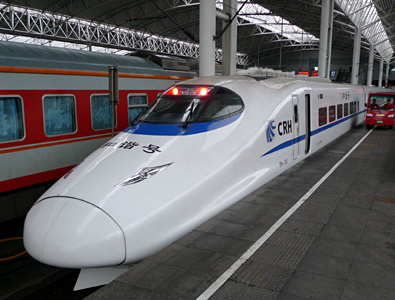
(130, 145)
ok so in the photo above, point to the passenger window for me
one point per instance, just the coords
(101, 112)
(339, 111)
(345, 109)
(59, 115)
(332, 113)
(322, 116)
(136, 104)
(11, 119)
(352, 108)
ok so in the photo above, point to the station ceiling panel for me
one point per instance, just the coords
(172, 27)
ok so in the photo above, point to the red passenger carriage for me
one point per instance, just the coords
(54, 111)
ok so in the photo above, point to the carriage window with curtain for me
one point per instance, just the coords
(101, 112)
(59, 115)
(136, 104)
(11, 119)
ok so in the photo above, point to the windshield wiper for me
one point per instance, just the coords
(137, 119)
(189, 117)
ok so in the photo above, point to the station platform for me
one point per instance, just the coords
(307, 234)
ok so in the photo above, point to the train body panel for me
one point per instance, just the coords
(40, 159)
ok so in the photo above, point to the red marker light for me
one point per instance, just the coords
(175, 91)
(203, 91)
(189, 91)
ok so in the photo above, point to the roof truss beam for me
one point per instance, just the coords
(40, 25)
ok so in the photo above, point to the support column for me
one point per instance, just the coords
(381, 72)
(325, 38)
(329, 60)
(356, 56)
(206, 38)
(370, 66)
(387, 72)
(229, 39)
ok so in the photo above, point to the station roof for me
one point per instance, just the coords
(264, 26)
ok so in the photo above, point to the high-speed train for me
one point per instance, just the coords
(203, 145)
(54, 111)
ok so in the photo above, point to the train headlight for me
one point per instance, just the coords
(369, 115)
(391, 116)
(142, 174)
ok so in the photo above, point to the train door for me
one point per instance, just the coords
(296, 126)
(308, 123)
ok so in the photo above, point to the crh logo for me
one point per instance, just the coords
(270, 131)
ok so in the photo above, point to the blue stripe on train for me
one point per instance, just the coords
(314, 132)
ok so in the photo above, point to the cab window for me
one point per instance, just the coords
(224, 104)
(188, 105)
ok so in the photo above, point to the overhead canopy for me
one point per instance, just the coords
(172, 27)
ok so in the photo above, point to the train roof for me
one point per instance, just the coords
(14, 54)
(278, 81)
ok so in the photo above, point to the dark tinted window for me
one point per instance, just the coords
(345, 109)
(339, 111)
(219, 103)
(322, 116)
(332, 113)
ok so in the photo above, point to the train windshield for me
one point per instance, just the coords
(380, 102)
(191, 104)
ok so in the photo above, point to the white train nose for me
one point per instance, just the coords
(71, 233)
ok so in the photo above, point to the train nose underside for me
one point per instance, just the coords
(71, 233)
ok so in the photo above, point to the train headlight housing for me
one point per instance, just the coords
(391, 116)
(369, 115)
(142, 174)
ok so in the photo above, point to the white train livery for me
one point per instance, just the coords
(203, 145)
